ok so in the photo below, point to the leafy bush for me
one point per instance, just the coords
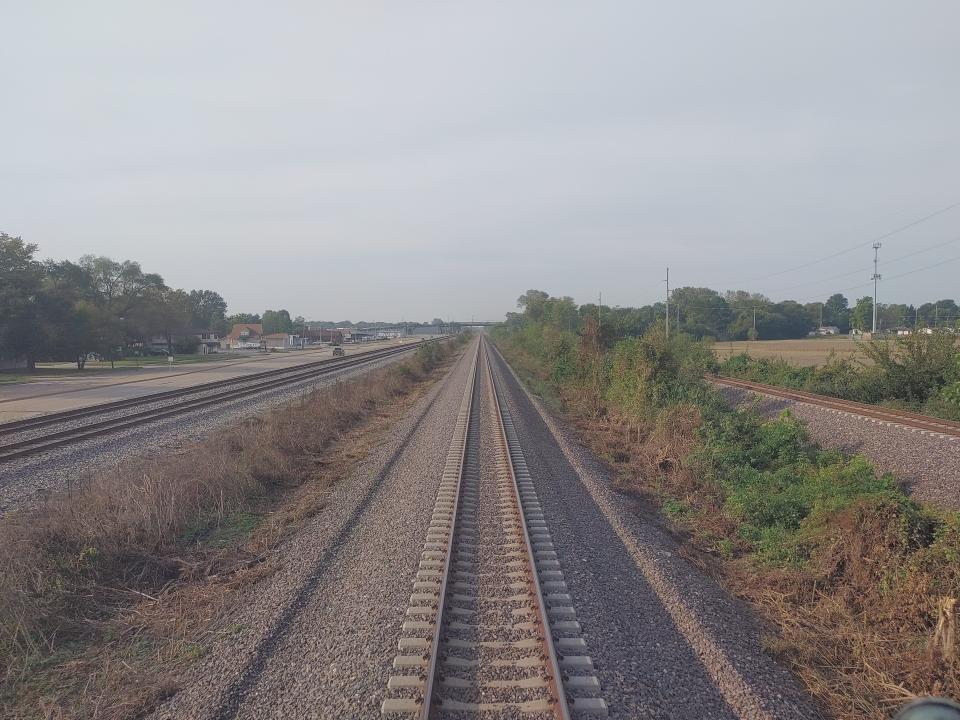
(916, 372)
(860, 579)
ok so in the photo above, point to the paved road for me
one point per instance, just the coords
(24, 400)
(320, 635)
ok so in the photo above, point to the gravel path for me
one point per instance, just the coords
(25, 480)
(667, 641)
(321, 632)
(927, 464)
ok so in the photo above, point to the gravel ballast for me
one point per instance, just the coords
(28, 479)
(667, 641)
(926, 464)
(320, 634)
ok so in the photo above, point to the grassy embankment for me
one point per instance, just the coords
(109, 591)
(859, 579)
(920, 373)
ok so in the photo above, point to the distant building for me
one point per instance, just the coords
(244, 336)
(209, 342)
(332, 336)
(282, 341)
(824, 330)
(277, 341)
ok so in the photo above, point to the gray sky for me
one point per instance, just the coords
(417, 159)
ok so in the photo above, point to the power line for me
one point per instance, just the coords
(866, 270)
(923, 250)
(928, 267)
(912, 223)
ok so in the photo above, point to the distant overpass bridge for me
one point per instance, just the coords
(447, 327)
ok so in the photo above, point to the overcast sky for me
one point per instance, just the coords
(422, 159)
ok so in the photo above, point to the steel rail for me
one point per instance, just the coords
(561, 709)
(875, 412)
(430, 683)
(444, 521)
(50, 441)
(12, 426)
(466, 564)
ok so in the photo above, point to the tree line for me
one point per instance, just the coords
(734, 315)
(64, 311)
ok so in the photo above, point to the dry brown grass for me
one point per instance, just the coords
(868, 625)
(107, 591)
(805, 352)
(866, 616)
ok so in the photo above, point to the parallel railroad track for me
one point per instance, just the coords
(490, 629)
(875, 412)
(44, 433)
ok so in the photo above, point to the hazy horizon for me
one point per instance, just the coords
(366, 162)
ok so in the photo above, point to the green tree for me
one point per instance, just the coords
(21, 279)
(743, 306)
(703, 312)
(169, 314)
(787, 319)
(836, 311)
(942, 313)
(532, 303)
(895, 315)
(120, 290)
(68, 310)
(277, 321)
(914, 367)
(208, 311)
(241, 319)
(861, 318)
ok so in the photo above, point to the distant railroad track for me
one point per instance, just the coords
(490, 627)
(875, 412)
(32, 436)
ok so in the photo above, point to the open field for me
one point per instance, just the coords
(806, 352)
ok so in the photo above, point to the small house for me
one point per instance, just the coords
(245, 336)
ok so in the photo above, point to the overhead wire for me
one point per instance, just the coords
(907, 226)
(869, 269)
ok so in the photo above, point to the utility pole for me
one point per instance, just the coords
(754, 322)
(599, 307)
(821, 316)
(876, 277)
(668, 304)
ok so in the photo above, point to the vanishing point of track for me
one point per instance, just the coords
(873, 412)
(490, 629)
(43, 433)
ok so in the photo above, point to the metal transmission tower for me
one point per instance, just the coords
(875, 278)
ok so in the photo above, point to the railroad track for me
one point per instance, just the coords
(897, 417)
(32, 436)
(490, 629)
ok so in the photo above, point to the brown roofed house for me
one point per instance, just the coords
(245, 335)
